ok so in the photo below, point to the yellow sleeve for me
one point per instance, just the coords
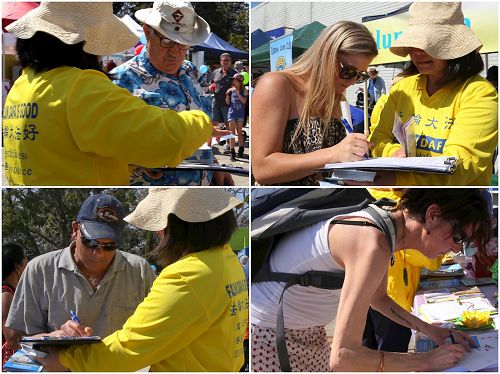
(107, 120)
(168, 320)
(382, 122)
(472, 138)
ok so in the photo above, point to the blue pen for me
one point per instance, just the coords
(346, 125)
(74, 317)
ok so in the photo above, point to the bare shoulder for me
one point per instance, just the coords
(352, 243)
(275, 81)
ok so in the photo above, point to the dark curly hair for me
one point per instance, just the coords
(12, 254)
(466, 206)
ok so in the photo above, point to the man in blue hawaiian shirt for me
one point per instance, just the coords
(161, 76)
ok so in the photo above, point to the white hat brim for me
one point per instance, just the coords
(108, 36)
(188, 204)
(153, 18)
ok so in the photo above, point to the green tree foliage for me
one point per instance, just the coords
(229, 20)
(40, 218)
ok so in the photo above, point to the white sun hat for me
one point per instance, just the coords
(75, 22)
(188, 204)
(177, 20)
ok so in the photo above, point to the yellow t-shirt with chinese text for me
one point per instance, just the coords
(69, 126)
(458, 120)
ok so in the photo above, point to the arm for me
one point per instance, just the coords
(105, 111)
(269, 163)
(472, 137)
(12, 336)
(228, 97)
(157, 330)
(242, 98)
(366, 264)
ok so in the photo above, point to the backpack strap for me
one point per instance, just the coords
(332, 280)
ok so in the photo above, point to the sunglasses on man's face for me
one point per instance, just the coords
(94, 244)
(349, 72)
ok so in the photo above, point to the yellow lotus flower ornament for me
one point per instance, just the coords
(474, 319)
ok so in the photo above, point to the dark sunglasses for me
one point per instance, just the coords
(94, 244)
(167, 43)
(460, 237)
(349, 72)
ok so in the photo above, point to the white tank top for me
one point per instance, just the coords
(298, 252)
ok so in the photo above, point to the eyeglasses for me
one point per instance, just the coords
(349, 72)
(94, 244)
(458, 236)
(167, 43)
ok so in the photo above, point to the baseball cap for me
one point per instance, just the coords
(101, 217)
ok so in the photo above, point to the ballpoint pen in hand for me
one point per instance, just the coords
(452, 336)
(74, 317)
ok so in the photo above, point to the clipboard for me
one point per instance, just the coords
(211, 167)
(439, 165)
(59, 340)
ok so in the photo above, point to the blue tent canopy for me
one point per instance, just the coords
(259, 38)
(214, 44)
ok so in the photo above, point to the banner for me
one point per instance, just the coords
(280, 51)
(480, 17)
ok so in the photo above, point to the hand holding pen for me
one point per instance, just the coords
(73, 327)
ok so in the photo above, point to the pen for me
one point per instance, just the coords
(452, 336)
(347, 126)
(74, 317)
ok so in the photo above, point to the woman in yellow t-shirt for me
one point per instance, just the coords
(195, 315)
(454, 108)
(66, 123)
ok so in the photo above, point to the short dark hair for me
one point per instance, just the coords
(44, 52)
(182, 237)
(12, 254)
(466, 206)
(459, 69)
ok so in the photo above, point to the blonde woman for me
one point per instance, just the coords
(296, 125)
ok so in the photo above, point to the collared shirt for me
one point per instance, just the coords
(52, 285)
(179, 93)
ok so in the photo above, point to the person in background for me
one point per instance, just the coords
(222, 80)
(91, 276)
(194, 317)
(239, 67)
(75, 126)
(303, 131)
(236, 98)
(376, 86)
(14, 262)
(455, 109)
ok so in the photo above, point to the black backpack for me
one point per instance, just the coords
(279, 211)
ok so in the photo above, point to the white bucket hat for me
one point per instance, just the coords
(439, 30)
(189, 204)
(177, 20)
(75, 22)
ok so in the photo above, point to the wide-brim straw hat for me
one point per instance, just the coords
(188, 204)
(75, 22)
(177, 20)
(439, 30)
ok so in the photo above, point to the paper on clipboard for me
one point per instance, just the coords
(480, 358)
(440, 165)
